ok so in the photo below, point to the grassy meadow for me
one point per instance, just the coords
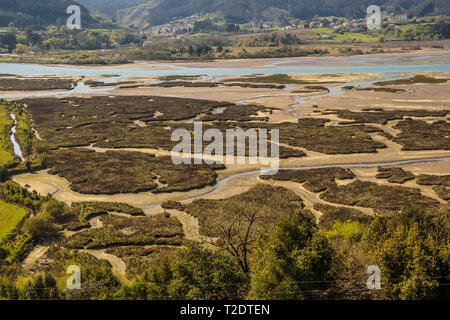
(10, 217)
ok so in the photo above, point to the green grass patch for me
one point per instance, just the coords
(346, 229)
(10, 217)
(322, 30)
(413, 80)
(353, 37)
(6, 149)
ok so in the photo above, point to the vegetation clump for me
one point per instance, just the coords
(36, 84)
(122, 231)
(332, 214)
(394, 175)
(383, 116)
(82, 212)
(420, 135)
(417, 79)
(384, 199)
(97, 173)
(315, 180)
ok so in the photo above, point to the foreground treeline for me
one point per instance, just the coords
(295, 259)
(298, 260)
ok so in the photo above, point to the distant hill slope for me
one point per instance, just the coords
(158, 12)
(24, 13)
(110, 8)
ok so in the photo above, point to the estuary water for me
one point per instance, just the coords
(386, 66)
(326, 65)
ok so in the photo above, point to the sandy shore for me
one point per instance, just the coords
(422, 96)
(312, 61)
(425, 50)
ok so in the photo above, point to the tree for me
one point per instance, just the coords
(292, 261)
(43, 286)
(412, 252)
(8, 41)
(55, 209)
(41, 227)
(32, 38)
(8, 289)
(191, 50)
(135, 291)
(3, 174)
(238, 230)
(197, 273)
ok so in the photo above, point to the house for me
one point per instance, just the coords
(147, 43)
(354, 28)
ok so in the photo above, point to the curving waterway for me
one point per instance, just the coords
(16, 145)
(221, 184)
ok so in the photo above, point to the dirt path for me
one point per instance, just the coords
(311, 198)
(37, 253)
(190, 225)
(119, 267)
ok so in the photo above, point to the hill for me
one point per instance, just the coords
(111, 8)
(23, 13)
(157, 12)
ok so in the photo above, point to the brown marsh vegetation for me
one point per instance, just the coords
(269, 202)
(117, 231)
(383, 116)
(421, 135)
(383, 199)
(331, 214)
(127, 172)
(35, 84)
(394, 175)
(315, 180)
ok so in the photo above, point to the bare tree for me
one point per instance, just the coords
(239, 228)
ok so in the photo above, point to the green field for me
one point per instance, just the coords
(5, 144)
(322, 30)
(347, 36)
(10, 217)
(353, 36)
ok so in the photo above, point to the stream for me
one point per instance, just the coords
(220, 184)
(16, 145)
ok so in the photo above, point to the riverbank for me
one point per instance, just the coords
(335, 56)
